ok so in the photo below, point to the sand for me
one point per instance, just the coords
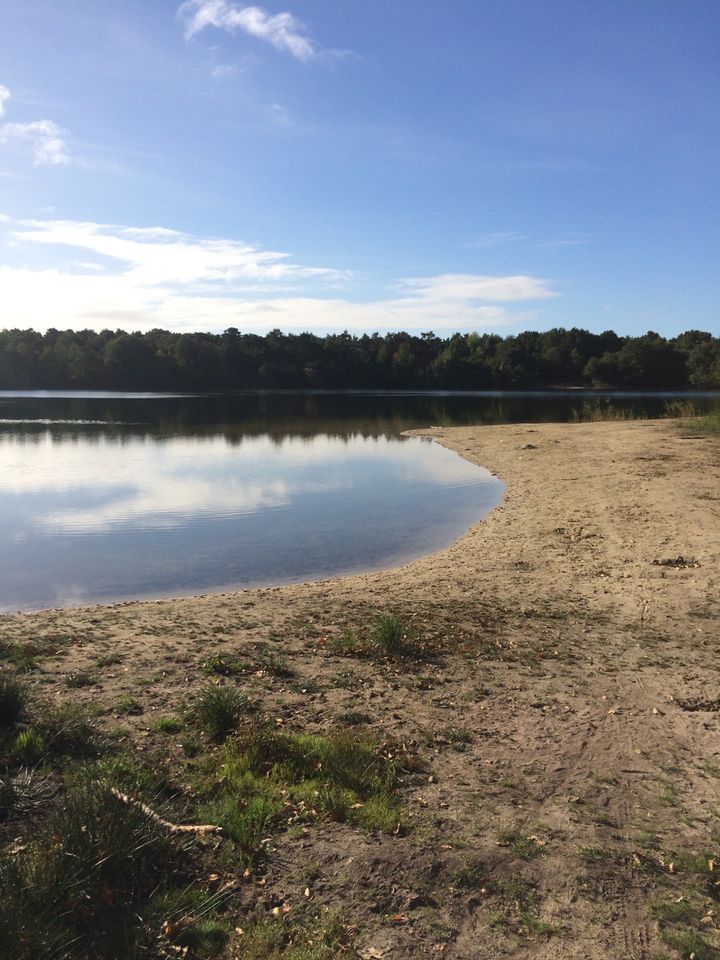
(582, 617)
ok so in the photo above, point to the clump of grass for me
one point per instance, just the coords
(393, 636)
(594, 855)
(67, 732)
(81, 888)
(354, 718)
(205, 938)
(274, 666)
(28, 747)
(247, 822)
(339, 775)
(167, 725)
(520, 907)
(599, 410)
(127, 705)
(20, 655)
(680, 408)
(525, 847)
(13, 700)
(689, 944)
(222, 665)
(347, 644)
(390, 634)
(459, 737)
(219, 709)
(323, 938)
(471, 874)
(675, 911)
(80, 679)
(109, 660)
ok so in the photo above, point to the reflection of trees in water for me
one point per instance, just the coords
(284, 415)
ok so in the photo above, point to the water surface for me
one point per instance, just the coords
(115, 496)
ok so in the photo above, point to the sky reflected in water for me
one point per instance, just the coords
(93, 516)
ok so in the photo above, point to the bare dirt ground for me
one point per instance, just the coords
(568, 804)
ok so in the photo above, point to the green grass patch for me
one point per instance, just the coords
(709, 423)
(223, 665)
(471, 875)
(322, 938)
(519, 907)
(263, 776)
(127, 705)
(523, 846)
(168, 725)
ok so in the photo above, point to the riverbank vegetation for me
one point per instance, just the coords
(160, 360)
(94, 862)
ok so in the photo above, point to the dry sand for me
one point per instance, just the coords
(584, 678)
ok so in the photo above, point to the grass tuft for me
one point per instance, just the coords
(80, 889)
(219, 710)
(13, 700)
(28, 747)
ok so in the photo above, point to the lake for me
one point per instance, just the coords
(125, 496)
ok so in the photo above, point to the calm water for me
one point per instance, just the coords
(108, 497)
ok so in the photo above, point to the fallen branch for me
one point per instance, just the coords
(166, 824)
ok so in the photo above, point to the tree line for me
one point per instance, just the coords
(232, 360)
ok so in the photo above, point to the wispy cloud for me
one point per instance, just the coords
(472, 287)
(140, 278)
(282, 30)
(223, 71)
(497, 239)
(157, 255)
(570, 239)
(46, 138)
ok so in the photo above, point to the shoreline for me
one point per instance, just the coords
(524, 530)
(568, 726)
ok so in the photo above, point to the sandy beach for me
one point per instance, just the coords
(577, 630)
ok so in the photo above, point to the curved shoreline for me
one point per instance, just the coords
(518, 454)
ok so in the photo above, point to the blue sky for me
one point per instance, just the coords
(330, 164)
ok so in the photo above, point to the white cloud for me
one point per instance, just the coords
(154, 277)
(470, 287)
(282, 30)
(46, 138)
(156, 255)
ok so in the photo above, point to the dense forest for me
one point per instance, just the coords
(160, 360)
